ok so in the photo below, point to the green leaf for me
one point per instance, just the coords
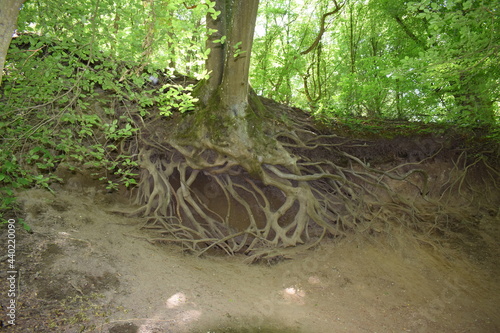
(23, 181)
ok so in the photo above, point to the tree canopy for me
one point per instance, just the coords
(414, 60)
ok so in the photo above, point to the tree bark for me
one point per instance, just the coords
(235, 86)
(228, 63)
(215, 60)
(9, 11)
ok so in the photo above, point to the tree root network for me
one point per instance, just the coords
(305, 186)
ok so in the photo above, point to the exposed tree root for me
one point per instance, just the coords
(304, 187)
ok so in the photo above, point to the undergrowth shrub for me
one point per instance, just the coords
(65, 104)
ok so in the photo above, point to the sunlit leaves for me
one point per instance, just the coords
(175, 98)
(222, 40)
(211, 9)
(461, 57)
(419, 60)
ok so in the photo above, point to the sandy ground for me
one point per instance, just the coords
(85, 269)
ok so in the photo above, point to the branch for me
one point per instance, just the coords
(409, 32)
(189, 7)
(322, 27)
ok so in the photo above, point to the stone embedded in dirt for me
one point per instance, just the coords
(176, 300)
(314, 280)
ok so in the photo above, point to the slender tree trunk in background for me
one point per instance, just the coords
(9, 10)
(352, 43)
(472, 102)
(398, 100)
(149, 23)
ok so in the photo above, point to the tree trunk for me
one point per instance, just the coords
(235, 86)
(229, 62)
(473, 105)
(9, 11)
(224, 96)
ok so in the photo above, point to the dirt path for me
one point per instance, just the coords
(86, 270)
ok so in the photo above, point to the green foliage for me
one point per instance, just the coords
(50, 117)
(77, 84)
(237, 50)
(13, 176)
(427, 61)
(211, 9)
(176, 97)
(4, 222)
